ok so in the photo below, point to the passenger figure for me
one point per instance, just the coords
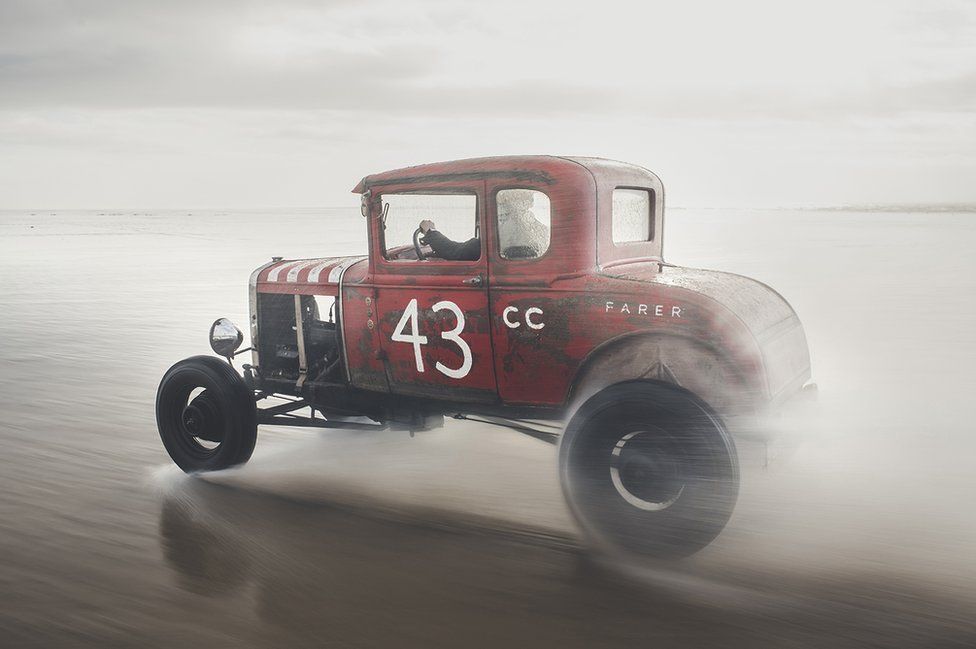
(518, 229)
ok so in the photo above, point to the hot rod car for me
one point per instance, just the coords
(568, 326)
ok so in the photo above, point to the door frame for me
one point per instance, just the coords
(437, 281)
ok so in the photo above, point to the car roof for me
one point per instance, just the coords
(544, 168)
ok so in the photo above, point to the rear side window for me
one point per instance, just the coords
(632, 218)
(524, 223)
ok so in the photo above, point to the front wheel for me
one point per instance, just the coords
(206, 415)
(648, 470)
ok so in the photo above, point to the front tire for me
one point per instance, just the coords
(648, 470)
(206, 415)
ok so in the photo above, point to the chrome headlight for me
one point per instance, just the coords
(225, 337)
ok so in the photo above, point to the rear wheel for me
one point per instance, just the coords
(648, 470)
(206, 415)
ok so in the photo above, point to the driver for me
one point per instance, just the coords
(444, 248)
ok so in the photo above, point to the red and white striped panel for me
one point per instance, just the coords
(308, 271)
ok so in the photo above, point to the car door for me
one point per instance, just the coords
(433, 314)
(531, 337)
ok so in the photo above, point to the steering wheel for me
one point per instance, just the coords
(418, 241)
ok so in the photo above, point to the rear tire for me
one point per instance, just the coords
(648, 470)
(206, 415)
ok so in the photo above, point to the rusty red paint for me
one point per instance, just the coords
(724, 324)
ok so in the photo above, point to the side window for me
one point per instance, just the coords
(454, 215)
(524, 223)
(632, 218)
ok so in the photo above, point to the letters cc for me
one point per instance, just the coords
(532, 317)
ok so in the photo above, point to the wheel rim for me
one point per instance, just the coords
(645, 471)
(202, 418)
(196, 419)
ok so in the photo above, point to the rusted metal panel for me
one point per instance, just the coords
(572, 198)
(607, 176)
(433, 318)
(579, 317)
(751, 301)
(770, 320)
(586, 313)
(534, 169)
(362, 349)
(437, 341)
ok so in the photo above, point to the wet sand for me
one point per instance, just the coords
(863, 534)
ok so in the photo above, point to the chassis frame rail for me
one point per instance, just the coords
(283, 415)
(548, 436)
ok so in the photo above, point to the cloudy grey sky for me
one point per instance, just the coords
(142, 103)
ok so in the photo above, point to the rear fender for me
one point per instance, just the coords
(685, 362)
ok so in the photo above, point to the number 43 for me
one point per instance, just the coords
(410, 315)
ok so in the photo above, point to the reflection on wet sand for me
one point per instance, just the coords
(317, 575)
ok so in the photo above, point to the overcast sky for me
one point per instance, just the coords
(139, 103)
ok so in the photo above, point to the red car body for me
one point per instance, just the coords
(541, 333)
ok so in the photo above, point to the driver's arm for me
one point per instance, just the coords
(446, 248)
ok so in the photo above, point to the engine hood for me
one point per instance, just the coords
(767, 317)
(304, 275)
